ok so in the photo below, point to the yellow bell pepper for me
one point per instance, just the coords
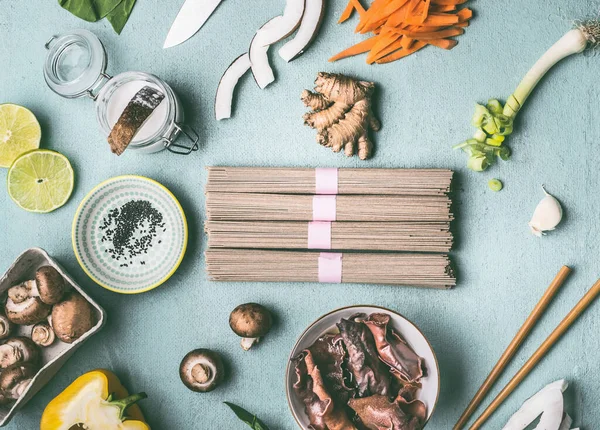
(90, 403)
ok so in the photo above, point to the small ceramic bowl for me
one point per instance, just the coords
(95, 253)
(428, 394)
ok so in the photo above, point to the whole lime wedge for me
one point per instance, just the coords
(19, 132)
(40, 180)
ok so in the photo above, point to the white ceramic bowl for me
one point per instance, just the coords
(327, 324)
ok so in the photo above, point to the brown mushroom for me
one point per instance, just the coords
(50, 285)
(24, 306)
(18, 350)
(42, 334)
(201, 370)
(73, 317)
(6, 328)
(251, 321)
(15, 379)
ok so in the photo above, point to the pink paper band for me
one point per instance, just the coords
(330, 267)
(319, 235)
(326, 180)
(324, 208)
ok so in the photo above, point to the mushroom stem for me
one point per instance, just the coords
(128, 401)
(247, 342)
(201, 373)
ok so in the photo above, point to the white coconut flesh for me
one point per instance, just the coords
(548, 403)
(309, 25)
(259, 60)
(282, 26)
(226, 88)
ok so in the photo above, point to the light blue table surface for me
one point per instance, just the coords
(425, 103)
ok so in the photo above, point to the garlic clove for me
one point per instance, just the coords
(547, 215)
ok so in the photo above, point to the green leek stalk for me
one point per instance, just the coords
(494, 122)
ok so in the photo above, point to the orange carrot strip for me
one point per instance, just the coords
(347, 13)
(464, 14)
(401, 53)
(406, 42)
(420, 13)
(379, 17)
(387, 50)
(399, 17)
(359, 7)
(443, 43)
(359, 48)
(442, 34)
(462, 24)
(442, 8)
(441, 19)
(447, 2)
(386, 38)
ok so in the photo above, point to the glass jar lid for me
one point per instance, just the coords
(75, 63)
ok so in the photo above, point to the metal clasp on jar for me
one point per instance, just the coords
(180, 149)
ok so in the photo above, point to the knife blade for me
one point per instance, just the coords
(191, 17)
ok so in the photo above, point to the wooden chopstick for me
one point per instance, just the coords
(514, 345)
(581, 306)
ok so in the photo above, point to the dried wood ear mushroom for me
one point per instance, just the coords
(341, 113)
(73, 317)
(250, 321)
(201, 370)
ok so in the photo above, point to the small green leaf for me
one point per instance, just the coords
(118, 16)
(89, 10)
(250, 419)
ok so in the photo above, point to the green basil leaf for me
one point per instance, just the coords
(247, 417)
(89, 10)
(118, 16)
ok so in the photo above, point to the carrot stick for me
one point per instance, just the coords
(442, 34)
(359, 7)
(359, 48)
(371, 58)
(377, 18)
(442, 8)
(386, 38)
(447, 2)
(464, 14)
(406, 42)
(402, 53)
(441, 19)
(462, 24)
(420, 13)
(347, 13)
(399, 17)
(443, 43)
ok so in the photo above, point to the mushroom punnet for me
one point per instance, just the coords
(42, 334)
(201, 370)
(18, 350)
(6, 328)
(50, 285)
(73, 317)
(15, 379)
(24, 306)
(251, 321)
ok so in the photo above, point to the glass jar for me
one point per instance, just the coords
(76, 66)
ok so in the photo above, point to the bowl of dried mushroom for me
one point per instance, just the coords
(359, 365)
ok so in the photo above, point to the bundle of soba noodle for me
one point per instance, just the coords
(255, 214)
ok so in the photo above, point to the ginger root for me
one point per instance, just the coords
(341, 113)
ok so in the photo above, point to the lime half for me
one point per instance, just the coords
(19, 132)
(40, 180)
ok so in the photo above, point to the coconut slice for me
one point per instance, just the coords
(548, 402)
(271, 32)
(309, 26)
(229, 80)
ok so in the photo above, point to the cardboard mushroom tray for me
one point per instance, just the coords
(54, 356)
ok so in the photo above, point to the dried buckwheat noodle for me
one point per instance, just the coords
(424, 270)
(290, 207)
(272, 180)
(370, 236)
